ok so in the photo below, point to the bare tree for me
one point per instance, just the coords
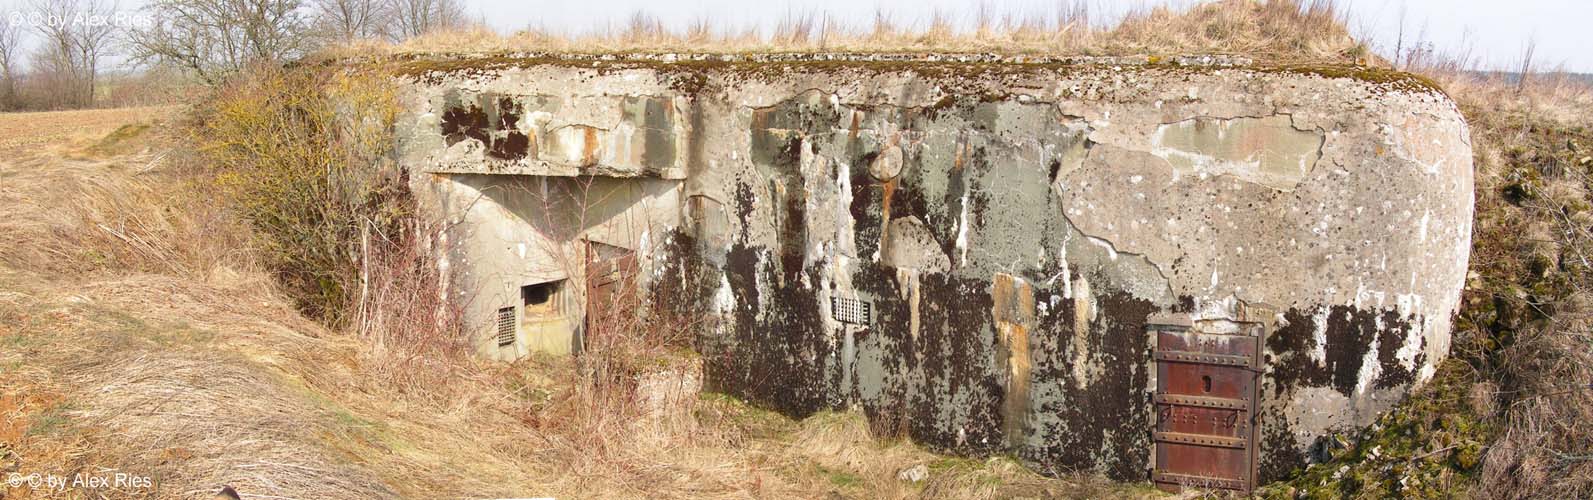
(414, 18)
(214, 38)
(8, 62)
(76, 33)
(347, 20)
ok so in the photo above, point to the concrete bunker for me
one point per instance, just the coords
(1187, 273)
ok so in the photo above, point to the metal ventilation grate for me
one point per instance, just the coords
(852, 311)
(505, 326)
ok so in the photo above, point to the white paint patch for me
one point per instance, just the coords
(1111, 252)
(1319, 336)
(1422, 230)
(962, 233)
(1370, 368)
(724, 299)
(1407, 304)
(1067, 274)
(1364, 294)
(1226, 308)
(1083, 314)
(1412, 345)
(843, 210)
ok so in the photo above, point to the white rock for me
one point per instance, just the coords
(914, 474)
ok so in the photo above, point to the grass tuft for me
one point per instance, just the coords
(1279, 31)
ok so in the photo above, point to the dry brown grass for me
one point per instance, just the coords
(1278, 31)
(20, 132)
(1531, 302)
(173, 355)
(1526, 339)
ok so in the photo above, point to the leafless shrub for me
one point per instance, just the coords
(300, 155)
(700, 30)
(1525, 67)
(795, 29)
(73, 45)
(158, 85)
(216, 38)
(884, 28)
(940, 29)
(10, 64)
(417, 340)
(350, 20)
(413, 18)
(1073, 24)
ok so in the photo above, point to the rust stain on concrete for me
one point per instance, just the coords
(1013, 311)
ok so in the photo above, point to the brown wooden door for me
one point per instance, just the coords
(611, 297)
(1205, 407)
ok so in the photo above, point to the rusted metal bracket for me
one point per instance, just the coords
(1202, 440)
(1204, 402)
(1208, 359)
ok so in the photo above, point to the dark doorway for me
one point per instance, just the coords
(611, 298)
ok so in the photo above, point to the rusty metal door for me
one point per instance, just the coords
(1205, 401)
(611, 298)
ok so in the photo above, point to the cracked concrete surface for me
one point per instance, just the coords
(1012, 225)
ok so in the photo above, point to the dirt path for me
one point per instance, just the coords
(127, 368)
(51, 129)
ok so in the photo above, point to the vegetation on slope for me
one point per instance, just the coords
(1507, 415)
(299, 155)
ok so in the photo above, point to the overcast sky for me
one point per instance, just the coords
(1495, 30)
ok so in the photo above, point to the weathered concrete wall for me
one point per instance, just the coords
(1013, 226)
(505, 232)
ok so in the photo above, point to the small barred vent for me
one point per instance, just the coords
(852, 311)
(505, 326)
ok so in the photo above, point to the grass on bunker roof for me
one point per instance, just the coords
(1286, 36)
(1282, 31)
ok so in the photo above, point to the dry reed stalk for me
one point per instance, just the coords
(1278, 31)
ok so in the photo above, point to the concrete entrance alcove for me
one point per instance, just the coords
(526, 240)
